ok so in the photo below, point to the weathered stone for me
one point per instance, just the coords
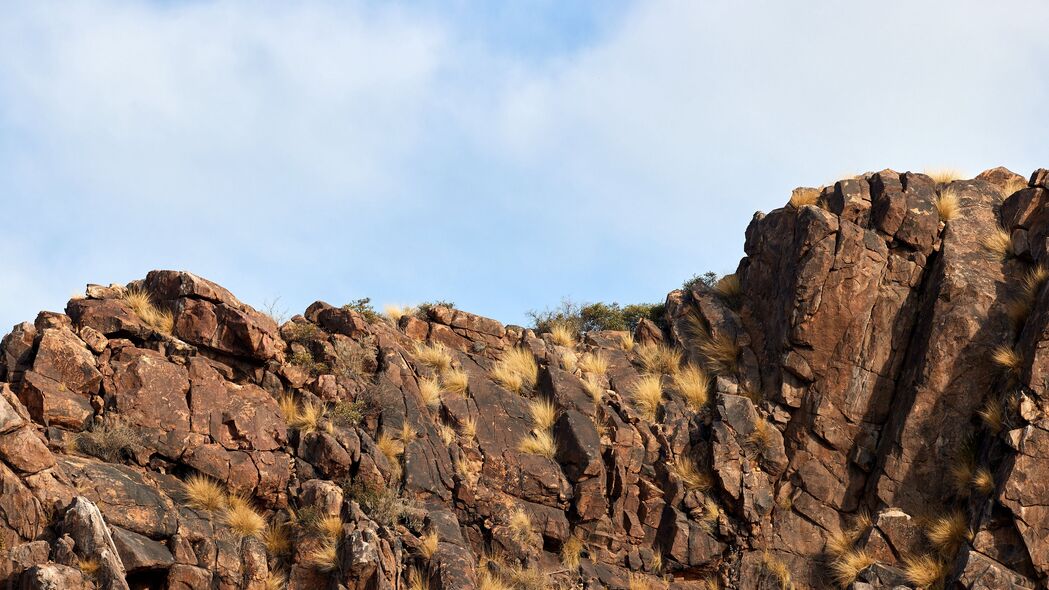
(138, 552)
(84, 524)
(64, 357)
(53, 576)
(52, 404)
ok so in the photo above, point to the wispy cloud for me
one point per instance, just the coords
(498, 158)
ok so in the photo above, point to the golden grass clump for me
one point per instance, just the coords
(469, 470)
(89, 567)
(142, 304)
(539, 443)
(428, 544)
(710, 514)
(516, 370)
(657, 561)
(435, 356)
(520, 524)
(729, 287)
(571, 551)
(396, 312)
(595, 363)
(694, 385)
(417, 580)
(562, 335)
(778, 569)
(948, 532)
(992, 414)
(455, 381)
(277, 538)
(720, 352)
(944, 175)
(330, 527)
(804, 196)
(1014, 184)
(324, 556)
(924, 571)
(998, 243)
(847, 566)
(658, 358)
(544, 413)
(242, 518)
(489, 581)
(1007, 359)
(468, 427)
(276, 580)
(761, 437)
(447, 434)
(593, 388)
(962, 470)
(407, 433)
(626, 342)
(947, 205)
(648, 394)
(309, 416)
(637, 581)
(289, 407)
(392, 449)
(688, 472)
(203, 493)
(983, 481)
(430, 392)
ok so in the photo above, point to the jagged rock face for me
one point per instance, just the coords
(866, 409)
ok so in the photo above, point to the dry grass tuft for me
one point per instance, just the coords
(408, 433)
(729, 287)
(489, 581)
(435, 356)
(637, 581)
(430, 392)
(778, 569)
(469, 470)
(544, 413)
(595, 363)
(277, 538)
(447, 434)
(392, 449)
(594, 388)
(962, 470)
(142, 304)
(1007, 359)
(944, 175)
(455, 381)
(800, 198)
(428, 544)
(992, 414)
(204, 493)
(648, 394)
(110, 441)
(924, 571)
(848, 565)
(1014, 184)
(520, 524)
(657, 561)
(761, 437)
(562, 335)
(417, 580)
(539, 443)
(242, 518)
(688, 472)
(710, 514)
(998, 243)
(947, 205)
(324, 556)
(309, 417)
(396, 312)
(983, 481)
(948, 532)
(330, 527)
(89, 567)
(626, 342)
(571, 551)
(694, 385)
(658, 358)
(720, 353)
(276, 580)
(468, 428)
(289, 407)
(517, 370)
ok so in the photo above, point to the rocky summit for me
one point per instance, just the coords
(862, 404)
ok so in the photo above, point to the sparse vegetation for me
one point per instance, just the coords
(708, 278)
(324, 556)
(992, 414)
(352, 358)
(571, 551)
(592, 317)
(562, 335)
(539, 443)
(943, 175)
(777, 569)
(380, 502)
(998, 243)
(110, 441)
(428, 544)
(543, 412)
(142, 304)
(647, 395)
(203, 493)
(455, 381)
(947, 533)
(516, 370)
(242, 518)
(947, 205)
(694, 386)
(847, 566)
(658, 358)
(364, 307)
(1007, 359)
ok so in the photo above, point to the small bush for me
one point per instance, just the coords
(110, 441)
(591, 317)
(347, 414)
(380, 503)
(299, 332)
(352, 358)
(142, 304)
(708, 278)
(364, 307)
(423, 309)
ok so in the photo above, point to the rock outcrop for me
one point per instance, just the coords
(863, 404)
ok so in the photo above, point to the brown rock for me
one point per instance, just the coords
(64, 357)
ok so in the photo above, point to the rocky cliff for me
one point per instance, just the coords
(862, 404)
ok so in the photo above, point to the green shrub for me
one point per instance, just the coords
(364, 307)
(591, 317)
(708, 278)
(423, 309)
(381, 503)
(352, 357)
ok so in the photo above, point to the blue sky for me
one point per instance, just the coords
(500, 155)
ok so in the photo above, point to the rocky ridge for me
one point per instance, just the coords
(862, 404)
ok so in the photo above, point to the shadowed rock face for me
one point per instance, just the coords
(857, 430)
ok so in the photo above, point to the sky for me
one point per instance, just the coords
(501, 155)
